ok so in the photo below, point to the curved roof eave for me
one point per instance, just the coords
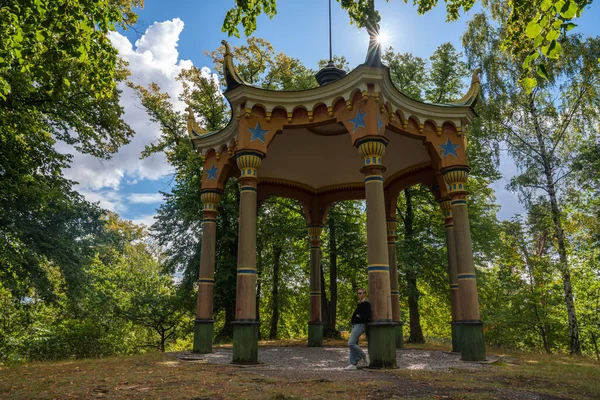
(358, 78)
(240, 93)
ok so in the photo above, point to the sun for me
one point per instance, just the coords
(383, 38)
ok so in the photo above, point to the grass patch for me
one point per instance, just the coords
(157, 375)
(556, 376)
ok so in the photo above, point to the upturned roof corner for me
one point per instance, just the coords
(471, 97)
(193, 128)
(232, 77)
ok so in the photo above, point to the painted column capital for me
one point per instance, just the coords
(314, 234)
(372, 149)
(211, 198)
(456, 179)
(249, 161)
(446, 206)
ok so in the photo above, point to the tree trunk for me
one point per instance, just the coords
(162, 341)
(541, 325)
(595, 342)
(558, 231)
(275, 293)
(416, 333)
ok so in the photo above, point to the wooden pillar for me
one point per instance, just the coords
(245, 326)
(446, 206)
(315, 326)
(203, 326)
(392, 224)
(382, 339)
(472, 345)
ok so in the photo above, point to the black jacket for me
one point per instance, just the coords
(362, 314)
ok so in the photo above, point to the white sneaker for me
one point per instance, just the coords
(351, 366)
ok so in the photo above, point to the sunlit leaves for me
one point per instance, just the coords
(38, 33)
(245, 13)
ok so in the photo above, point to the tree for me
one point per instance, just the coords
(58, 81)
(48, 41)
(409, 73)
(544, 128)
(447, 72)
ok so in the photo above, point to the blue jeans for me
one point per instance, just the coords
(356, 353)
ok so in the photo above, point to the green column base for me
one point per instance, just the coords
(382, 344)
(315, 334)
(203, 336)
(472, 345)
(456, 335)
(245, 342)
(399, 335)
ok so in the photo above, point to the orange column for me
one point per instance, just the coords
(315, 326)
(382, 339)
(446, 206)
(203, 327)
(245, 326)
(395, 294)
(472, 345)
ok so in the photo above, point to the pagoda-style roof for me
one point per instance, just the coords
(308, 137)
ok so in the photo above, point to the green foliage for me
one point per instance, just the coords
(409, 73)
(259, 65)
(545, 129)
(53, 42)
(123, 304)
(245, 13)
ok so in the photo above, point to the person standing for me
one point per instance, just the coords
(360, 318)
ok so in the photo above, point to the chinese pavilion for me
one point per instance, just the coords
(354, 137)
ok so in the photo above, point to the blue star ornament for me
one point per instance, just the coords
(212, 173)
(258, 133)
(449, 148)
(359, 120)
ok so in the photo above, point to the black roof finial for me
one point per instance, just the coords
(330, 73)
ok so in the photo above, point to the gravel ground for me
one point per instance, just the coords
(335, 359)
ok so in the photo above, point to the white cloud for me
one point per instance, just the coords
(154, 58)
(146, 219)
(145, 198)
(108, 199)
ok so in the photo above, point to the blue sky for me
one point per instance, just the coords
(172, 35)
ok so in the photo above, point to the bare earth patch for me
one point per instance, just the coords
(326, 359)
